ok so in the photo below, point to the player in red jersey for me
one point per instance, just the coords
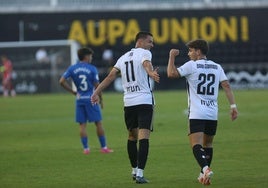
(6, 71)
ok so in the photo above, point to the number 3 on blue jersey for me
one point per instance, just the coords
(83, 84)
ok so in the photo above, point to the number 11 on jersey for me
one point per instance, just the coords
(127, 63)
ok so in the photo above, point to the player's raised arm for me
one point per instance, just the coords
(172, 71)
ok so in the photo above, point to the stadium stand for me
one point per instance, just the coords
(104, 5)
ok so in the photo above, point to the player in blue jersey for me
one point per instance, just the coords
(85, 77)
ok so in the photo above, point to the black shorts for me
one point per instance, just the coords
(208, 127)
(139, 116)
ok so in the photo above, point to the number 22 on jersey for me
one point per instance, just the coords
(205, 86)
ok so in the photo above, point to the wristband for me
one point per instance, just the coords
(233, 105)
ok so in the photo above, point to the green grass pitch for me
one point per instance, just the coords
(40, 146)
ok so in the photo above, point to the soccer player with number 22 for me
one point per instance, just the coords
(203, 78)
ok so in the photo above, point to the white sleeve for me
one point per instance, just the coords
(146, 56)
(117, 64)
(186, 69)
(223, 76)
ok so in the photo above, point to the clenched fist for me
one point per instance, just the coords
(174, 52)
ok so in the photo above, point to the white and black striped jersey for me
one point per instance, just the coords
(135, 80)
(203, 78)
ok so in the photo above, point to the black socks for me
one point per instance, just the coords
(132, 152)
(143, 153)
(209, 154)
(138, 158)
(200, 155)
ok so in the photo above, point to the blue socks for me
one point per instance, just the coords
(84, 141)
(102, 141)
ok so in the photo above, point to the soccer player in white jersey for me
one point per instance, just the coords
(203, 78)
(136, 71)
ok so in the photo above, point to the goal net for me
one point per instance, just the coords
(38, 65)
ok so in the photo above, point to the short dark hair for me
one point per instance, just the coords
(142, 34)
(82, 52)
(200, 44)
